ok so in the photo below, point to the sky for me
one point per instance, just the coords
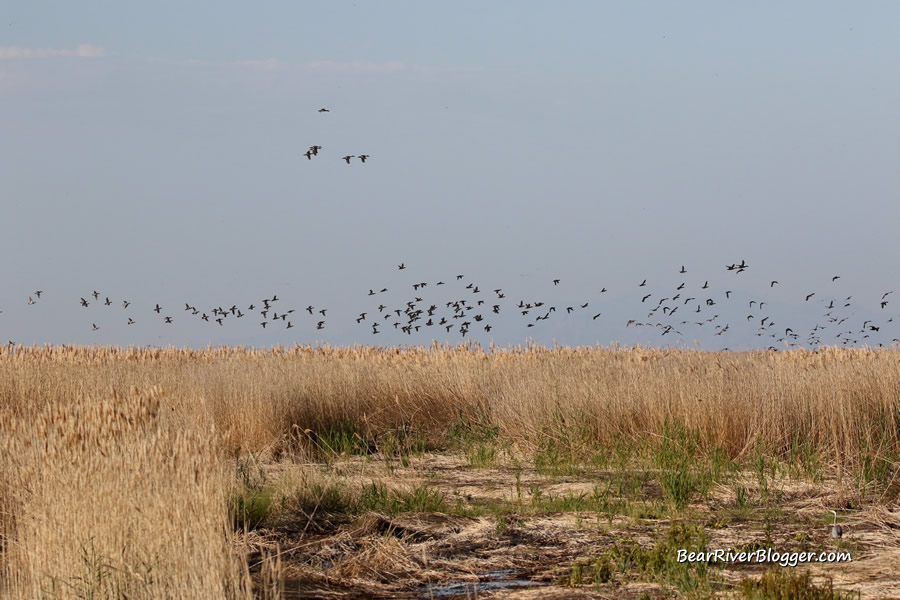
(155, 153)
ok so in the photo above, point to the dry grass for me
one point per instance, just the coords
(845, 403)
(107, 498)
(118, 463)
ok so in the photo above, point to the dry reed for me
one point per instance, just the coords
(98, 478)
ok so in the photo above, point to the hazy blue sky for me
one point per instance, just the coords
(154, 152)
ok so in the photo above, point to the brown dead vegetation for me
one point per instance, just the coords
(125, 471)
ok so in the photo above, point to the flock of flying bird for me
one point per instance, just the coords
(467, 306)
(314, 150)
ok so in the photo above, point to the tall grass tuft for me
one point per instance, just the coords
(107, 498)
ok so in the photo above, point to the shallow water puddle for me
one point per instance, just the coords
(493, 580)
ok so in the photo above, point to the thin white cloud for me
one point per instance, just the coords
(267, 65)
(330, 65)
(322, 66)
(387, 67)
(82, 50)
(270, 64)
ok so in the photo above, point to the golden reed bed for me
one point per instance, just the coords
(117, 463)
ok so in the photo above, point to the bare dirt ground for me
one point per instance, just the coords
(529, 550)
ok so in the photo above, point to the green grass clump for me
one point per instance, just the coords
(347, 438)
(463, 433)
(479, 441)
(659, 564)
(250, 508)
(686, 472)
(402, 442)
(377, 497)
(551, 458)
(598, 572)
(483, 455)
(679, 485)
(787, 584)
(335, 497)
(251, 502)
(343, 438)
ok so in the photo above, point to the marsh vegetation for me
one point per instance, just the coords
(385, 472)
